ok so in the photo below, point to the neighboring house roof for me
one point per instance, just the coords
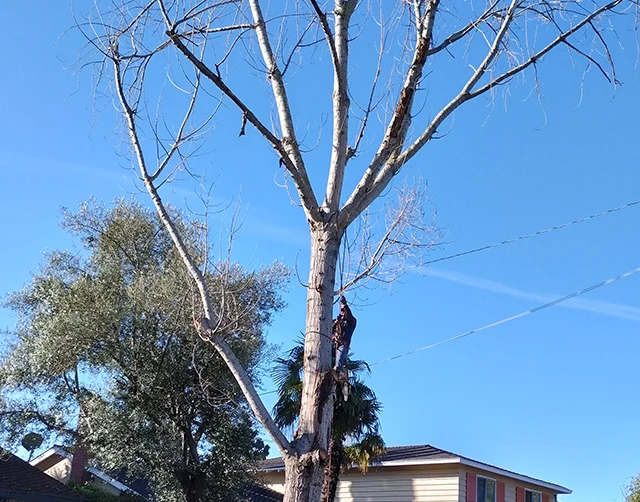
(21, 481)
(119, 480)
(139, 485)
(257, 493)
(427, 454)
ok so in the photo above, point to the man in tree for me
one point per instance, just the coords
(343, 327)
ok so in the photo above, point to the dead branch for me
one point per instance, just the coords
(208, 331)
(407, 232)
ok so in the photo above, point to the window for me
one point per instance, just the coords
(486, 489)
(531, 496)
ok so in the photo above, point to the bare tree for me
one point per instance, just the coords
(214, 49)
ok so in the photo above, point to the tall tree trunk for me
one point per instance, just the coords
(192, 483)
(304, 470)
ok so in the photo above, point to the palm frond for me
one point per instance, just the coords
(365, 452)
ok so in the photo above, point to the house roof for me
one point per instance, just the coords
(21, 481)
(427, 454)
(257, 493)
(119, 480)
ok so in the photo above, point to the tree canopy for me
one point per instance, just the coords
(106, 352)
(632, 490)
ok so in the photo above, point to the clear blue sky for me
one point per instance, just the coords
(553, 395)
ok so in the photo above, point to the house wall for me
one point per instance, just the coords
(274, 480)
(391, 484)
(426, 483)
(61, 470)
(436, 484)
(510, 484)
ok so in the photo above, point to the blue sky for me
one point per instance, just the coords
(552, 395)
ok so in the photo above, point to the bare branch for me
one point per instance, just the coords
(289, 140)
(373, 187)
(207, 332)
(180, 138)
(300, 178)
(408, 232)
(464, 31)
(396, 131)
(340, 56)
(538, 55)
(322, 16)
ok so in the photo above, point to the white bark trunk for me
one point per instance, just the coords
(238, 371)
(340, 106)
(304, 471)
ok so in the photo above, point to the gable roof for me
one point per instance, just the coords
(21, 481)
(427, 454)
(258, 493)
(119, 480)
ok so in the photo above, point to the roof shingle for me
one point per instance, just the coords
(394, 453)
(257, 493)
(21, 481)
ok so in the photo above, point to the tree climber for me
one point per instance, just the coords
(343, 327)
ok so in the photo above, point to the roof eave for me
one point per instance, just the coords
(54, 450)
(112, 481)
(514, 475)
(388, 463)
(6, 494)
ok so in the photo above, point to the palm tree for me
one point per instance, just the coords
(356, 438)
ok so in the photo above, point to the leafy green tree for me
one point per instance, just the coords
(107, 353)
(632, 490)
(94, 494)
(356, 437)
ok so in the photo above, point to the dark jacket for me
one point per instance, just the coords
(344, 326)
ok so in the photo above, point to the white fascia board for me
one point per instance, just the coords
(514, 475)
(391, 463)
(113, 482)
(54, 450)
(272, 469)
(424, 461)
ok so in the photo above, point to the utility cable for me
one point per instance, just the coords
(514, 317)
(533, 234)
(503, 321)
(522, 314)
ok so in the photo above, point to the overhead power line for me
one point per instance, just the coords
(533, 234)
(514, 317)
(522, 314)
(503, 321)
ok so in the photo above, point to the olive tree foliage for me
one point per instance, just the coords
(632, 490)
(388, 74)
(106, 354)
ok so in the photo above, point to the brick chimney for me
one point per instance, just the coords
(78, 465)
